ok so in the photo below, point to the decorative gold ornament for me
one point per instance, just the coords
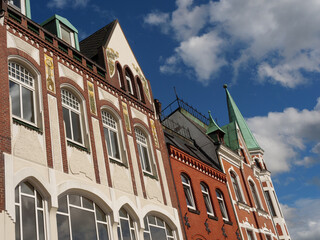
(144, 81)
(154, 133)
(126, 117)
(49, 73)
(92, 100)
(112, 56)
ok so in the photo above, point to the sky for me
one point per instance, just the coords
(267, 51)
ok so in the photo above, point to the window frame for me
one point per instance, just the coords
(79, 112)
(146, 145)
(157, 225)
(255, 195)
(236, 187)
(206, 196)
(131, 222)
(71, 34)
(222, 205)
(270, 203)
(129, 81)
(250, 234)
(188, 192)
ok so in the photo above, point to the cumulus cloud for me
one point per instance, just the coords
(303, 219)
(63, 3)
(286, 135)
(283, 37)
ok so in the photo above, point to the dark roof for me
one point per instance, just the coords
(89, 46)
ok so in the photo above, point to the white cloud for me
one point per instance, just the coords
(285, 137)
(317, 107)
(283, 37)
(303, 219)
(63, 3)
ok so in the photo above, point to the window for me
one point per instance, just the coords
(270, 204)
(156, 229)
(222, 205)
(30, 213)
(120, 76)
(255, 194)
(207, 199)
(22, 93)
(140, 90)
(268, 237)
(111, 135)
(236, 187)
(142, 144)
(71, 116)
(15, 3)
(129, 82)
(250, 235)
(67, 35)
(80, 218)
(188, 191)
(126, 226)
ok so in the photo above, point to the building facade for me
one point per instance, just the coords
(81, 153)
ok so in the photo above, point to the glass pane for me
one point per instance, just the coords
(27, 104)
(119, 232)
(29, 218)
(160, 222)
(184, 179)
(158, 233)
(27, 188)
(146, 225)
(17, 194)
(75, 200)
(141, 157)
(123, 213)
(125, 229)
(65, 35)
(63, 227)
(146, 236)
(62, 202)
(39, 201)
(83, 224)
(15, 99)
(101, 216)
(87, 203)
(115, 145)
(76, 127)
(169, 230)
(188, 199)
(106, 136)
(66, 119)
(152, 220)
(103, 231)
(133, 234)
(41, 225)
(16, 3)
(17, 225)
(146, 159)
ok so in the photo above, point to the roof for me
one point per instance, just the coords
(236, 116)
(89, 46)
(212, 125)
(231, 136)
(61, 19)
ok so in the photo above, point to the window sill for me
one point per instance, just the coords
(228, 222)
(27, 125)
(195, 211)
(79, 147)
(213, 217)
(118, 162)
(150, 176)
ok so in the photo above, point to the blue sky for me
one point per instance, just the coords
(267, 51)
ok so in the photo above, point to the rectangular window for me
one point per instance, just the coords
(270, 204)
(67, 35)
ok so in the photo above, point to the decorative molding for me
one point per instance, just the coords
(92, 99)
(112, 55)
(50, 73)
(144, 81)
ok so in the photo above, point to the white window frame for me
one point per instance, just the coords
(43, 209)
(22, 84)
(129, 82)
(222, 205)
(111, 124)
(22, 8)
(270, 203)
(158, 225)
(119, 76)
(236, 187)
(207, 199)
(251, 232)
(81, 207)
(143, 142)
(255, 194)
(71, 34)
(73, 105)
(187, 188)
(132, 229)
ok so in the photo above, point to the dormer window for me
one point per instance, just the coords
(67, 35)
(22, 6)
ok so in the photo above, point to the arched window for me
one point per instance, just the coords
(81, 218)
(140, 90)
(126, 226)
(71, 108)
(129, 81)
(120, 76)
(207, 199)
(255, 195)
(156, 229)
(236, 187)
(143, 150)
(222, 205)
(111, 134)
(188, 191)
(30, 213)
(22, 86)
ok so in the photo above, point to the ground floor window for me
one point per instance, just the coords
(157, 229)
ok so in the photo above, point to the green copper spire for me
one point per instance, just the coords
(236, 116)
(212, 125)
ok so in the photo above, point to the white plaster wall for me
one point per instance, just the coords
(67, 72)
(104, 95)
(15, 42)
(99, 151)
(153, 189)
(55, 133)
(6, 227)
(121, 178)
(135, 166)
(28, 144)
(136, 114)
